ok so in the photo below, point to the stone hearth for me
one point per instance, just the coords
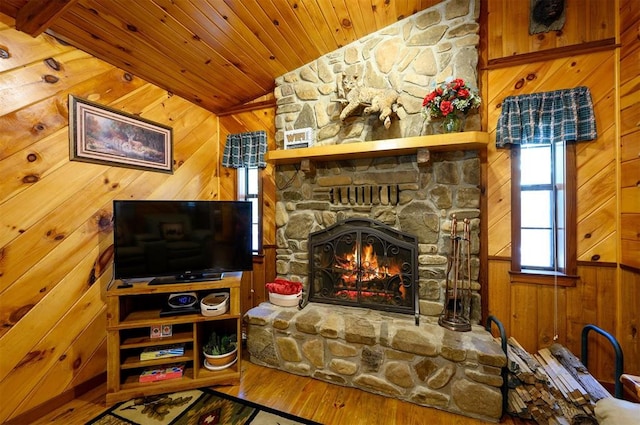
(383, 353)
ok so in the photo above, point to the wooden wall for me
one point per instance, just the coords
(604, 295)
(508, 23)
(630, 132)
(55, 232)
(629, 157)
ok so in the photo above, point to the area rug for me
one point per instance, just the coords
(194, 407)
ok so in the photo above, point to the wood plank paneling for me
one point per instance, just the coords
(629, 326)
(630, 227)
(70, 364)
(630, 173)
(600, 296)
(20, 85)
(630, 253)
(630, 140)
(55, 242)
(509, 26)
(536, 314)
(595, 228)
(524, 318)
(630, 147)
(214, 53)
(630, 200)
(45, 353)
(26, 49)
(38, 120)
(499, 292)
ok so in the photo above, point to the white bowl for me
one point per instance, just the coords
(220, 361)
(224, 366)
(285, 300)
(214, 304)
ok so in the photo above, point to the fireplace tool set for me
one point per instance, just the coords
(456, 313)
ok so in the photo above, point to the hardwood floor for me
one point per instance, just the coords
(320, 401)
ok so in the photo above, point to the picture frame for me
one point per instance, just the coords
(103, 135)
(298, 138)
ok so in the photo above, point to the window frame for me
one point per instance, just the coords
(242, 181)
(567, 276)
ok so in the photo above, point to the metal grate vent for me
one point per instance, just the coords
(365, 195)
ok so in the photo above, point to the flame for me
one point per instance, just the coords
(363, 265)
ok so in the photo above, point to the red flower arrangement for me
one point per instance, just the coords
(449, 97)
(284, 287)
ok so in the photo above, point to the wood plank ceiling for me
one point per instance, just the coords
(219, 54)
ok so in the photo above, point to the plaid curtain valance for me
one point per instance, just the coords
(245, 150)
(543, 118)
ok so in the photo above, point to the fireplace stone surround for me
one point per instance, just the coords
(414, 192)
(402, 192)
(380, 351)
(383, 353)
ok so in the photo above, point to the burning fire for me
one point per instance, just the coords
(362, 265)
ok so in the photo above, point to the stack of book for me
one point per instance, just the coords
(162, 372)
(160, 352)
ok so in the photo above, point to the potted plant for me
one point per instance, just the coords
(220, 350)
(285, 293)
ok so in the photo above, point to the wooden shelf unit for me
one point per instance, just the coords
(390, 147)
(132, 311)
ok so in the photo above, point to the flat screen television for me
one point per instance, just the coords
(180, 241)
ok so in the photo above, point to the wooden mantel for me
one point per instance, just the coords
(390, 147)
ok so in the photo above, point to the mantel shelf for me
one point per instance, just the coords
(468, 140)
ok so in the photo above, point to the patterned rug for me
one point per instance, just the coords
(194, 407)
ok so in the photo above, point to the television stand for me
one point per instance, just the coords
(136, 322)
(170, 280)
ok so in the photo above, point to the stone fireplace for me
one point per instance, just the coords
(380, 333)
(382, 350)
(416, 193)
(409, 196)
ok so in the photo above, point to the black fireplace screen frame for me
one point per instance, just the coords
(326, 277)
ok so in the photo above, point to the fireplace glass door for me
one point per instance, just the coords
(361, 262)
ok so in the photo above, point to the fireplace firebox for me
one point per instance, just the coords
(362, 262)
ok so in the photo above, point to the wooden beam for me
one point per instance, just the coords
(551, 54)
(247, 107)
(36, 16)
(307, 167)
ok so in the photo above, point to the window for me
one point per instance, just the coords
(542, 129)
(249, 190)
(543, 216)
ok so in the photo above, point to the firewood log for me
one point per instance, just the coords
(579, 372)
(543, 389)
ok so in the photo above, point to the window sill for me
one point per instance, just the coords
(539, 277)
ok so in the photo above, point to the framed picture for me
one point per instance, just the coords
(102, 135)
